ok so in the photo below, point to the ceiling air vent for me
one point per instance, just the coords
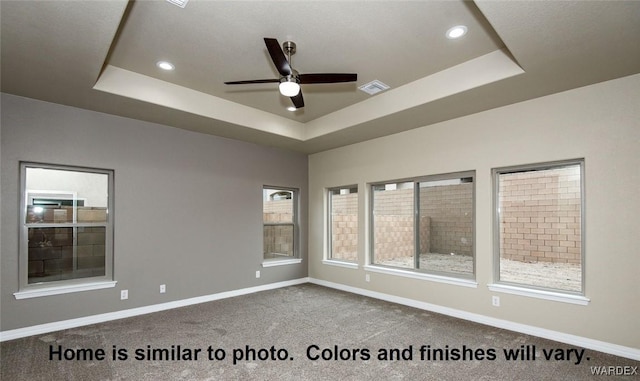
(180, 3)
(373, 87)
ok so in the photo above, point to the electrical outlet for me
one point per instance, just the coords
(124, 294)
(367, 278)
(495, 300)
(163, 288)
(257, 273)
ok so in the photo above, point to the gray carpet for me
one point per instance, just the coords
(290, 323)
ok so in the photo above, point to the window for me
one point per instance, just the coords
(343, 224)
(393, 225)
(67, 232)
(280, 223)
(539, 226)
(425, 224)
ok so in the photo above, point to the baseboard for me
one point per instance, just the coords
(583, 342)
(101, 318)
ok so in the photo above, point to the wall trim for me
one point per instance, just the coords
(540, 294)
(601, 346)
(101, 318)
(422, 276)
(333, 262)
(66, 289)
(281, 262)
(584, 342)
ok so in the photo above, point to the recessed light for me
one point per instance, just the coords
(456, 32)
(291, 108)
(164, 65)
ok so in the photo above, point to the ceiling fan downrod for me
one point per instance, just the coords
(290, 84)
(289, 47)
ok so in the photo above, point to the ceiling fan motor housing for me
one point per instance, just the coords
(289, 47)
(293, 77)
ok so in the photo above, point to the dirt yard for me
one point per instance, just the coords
(563, 276)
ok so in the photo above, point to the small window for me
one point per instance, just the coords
(67, 232)
(343, 224)
(540, 226)
(280, 223)
(425, 224)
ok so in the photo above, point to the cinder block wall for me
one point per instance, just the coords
(344, 227)
(450, 211)
(393, 225)
(446, 221)
(278, 239)
(446, 224)
(540, 216)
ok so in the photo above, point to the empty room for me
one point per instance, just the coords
(319, 190)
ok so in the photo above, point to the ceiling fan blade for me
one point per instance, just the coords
(327, 78)
(277, 56)
(252, 81)
(297, 100)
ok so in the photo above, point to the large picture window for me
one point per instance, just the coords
(343, 224)
(280, 223)
(539, 226)
(425, 224)
(67, 225)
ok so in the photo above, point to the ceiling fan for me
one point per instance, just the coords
(290, 80)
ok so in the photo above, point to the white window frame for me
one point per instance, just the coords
(32, 290)
(295, 259)
(522, 289)
(466, 280)
(328, 258)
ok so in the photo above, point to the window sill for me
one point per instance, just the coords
(281, 262)
(57, 290)
(423, 276)
(332, 262)
(540, 294)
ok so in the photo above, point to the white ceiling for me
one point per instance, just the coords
(101, 55)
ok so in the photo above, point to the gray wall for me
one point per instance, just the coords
(188, 207)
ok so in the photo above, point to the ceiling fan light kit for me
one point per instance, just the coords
(290, 80)
(289, 86)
